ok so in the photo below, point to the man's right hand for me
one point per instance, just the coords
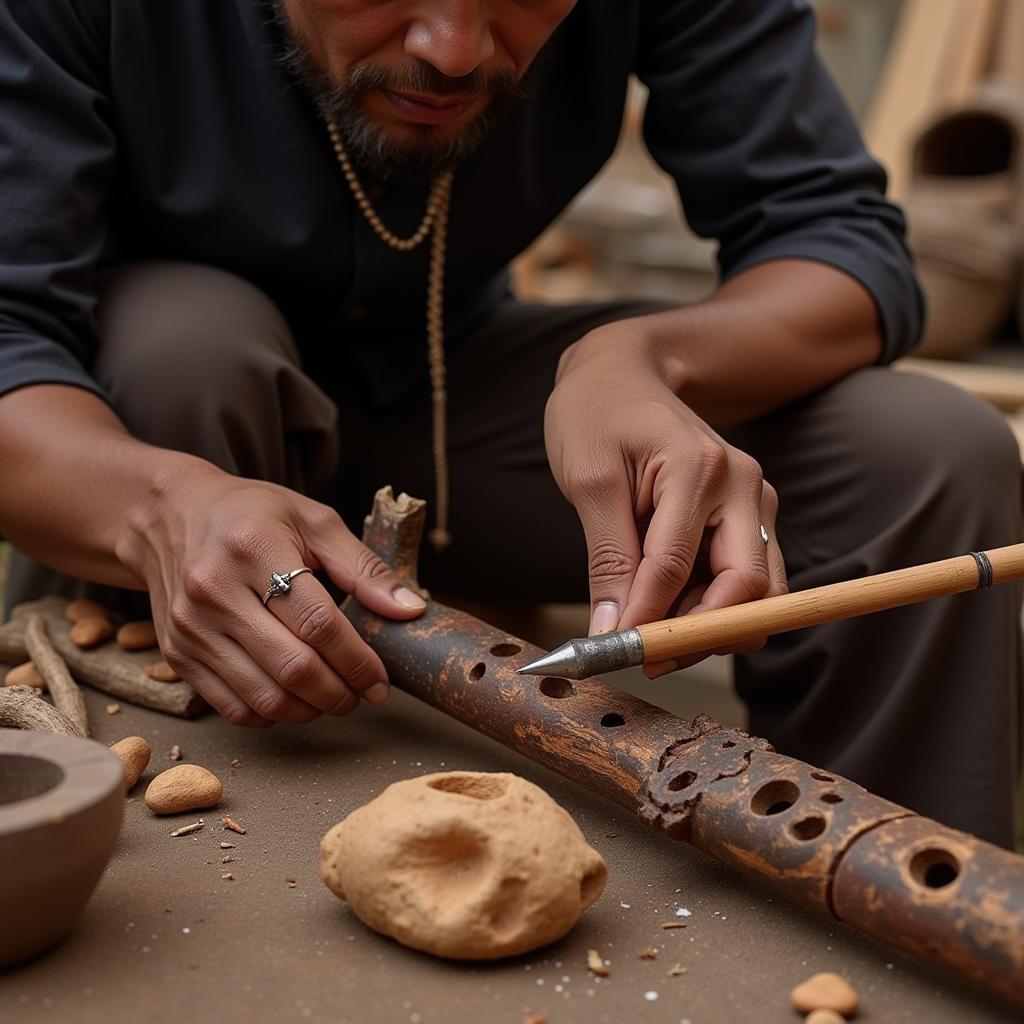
(206, 543)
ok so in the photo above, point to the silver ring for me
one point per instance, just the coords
(281, 582)
(764, 533)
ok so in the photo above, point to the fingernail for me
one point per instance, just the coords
(378, 693)
(605, 617)
(408, 598)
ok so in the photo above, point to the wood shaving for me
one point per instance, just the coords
(237, 763)
(672, 924)
(233, 825)
(596, 965)
(650, 953)
(228, 877)
(676, 971)
(186, 830)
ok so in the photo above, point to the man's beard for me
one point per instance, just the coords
(369, 144)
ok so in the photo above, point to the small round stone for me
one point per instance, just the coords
(824, 1017)
(825, 991)
(185, 787)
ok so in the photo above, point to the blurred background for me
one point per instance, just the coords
(938, 88)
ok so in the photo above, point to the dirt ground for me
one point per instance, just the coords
(166, 938)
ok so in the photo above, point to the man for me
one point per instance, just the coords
(220, 222)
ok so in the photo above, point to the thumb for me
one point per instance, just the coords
(613, 554)
(364, 574)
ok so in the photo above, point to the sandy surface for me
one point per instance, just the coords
(165, 938)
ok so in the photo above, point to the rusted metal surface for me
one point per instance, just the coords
(797, 821)
(949, 897)
(816, 837)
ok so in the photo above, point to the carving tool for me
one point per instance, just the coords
(725, 627)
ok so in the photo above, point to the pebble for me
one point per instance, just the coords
(824, 1017)
(825, 991)
(91, 631)
(185, 787)
(162, 672)
(83, 608)
(25, 674)
(137, 636)
(135, 753)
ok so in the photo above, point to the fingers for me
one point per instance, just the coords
(358, 570)
(772, 584)
(669, 552)
(313, 650)
(237, 687)
(613, 552)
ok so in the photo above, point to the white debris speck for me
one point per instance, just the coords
(625, 906)
(683, 912)
(559, 988)
(650, 996)
(540, 981)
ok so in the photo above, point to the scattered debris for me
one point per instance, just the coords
(228, 877)
(174, 753)
(650, 996)
(611, 835)
(233, 825)
(673, 924)
(226, 860)
(291, 883)
(676, 970)
(650, 953)
(227, 846)
(113, 709)
(236, 763)
(596, 965)
(186, 830)
(683, 912)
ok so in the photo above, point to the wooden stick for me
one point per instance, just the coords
(120, 673)
(21, 707)
(67, 697)
(724, 627)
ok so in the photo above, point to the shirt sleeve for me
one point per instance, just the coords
(56, 171)
(764, 152)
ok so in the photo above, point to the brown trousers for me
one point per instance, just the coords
(880, 470)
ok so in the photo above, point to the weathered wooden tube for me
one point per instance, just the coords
(938, 894)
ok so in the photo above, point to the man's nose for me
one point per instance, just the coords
(454, 37)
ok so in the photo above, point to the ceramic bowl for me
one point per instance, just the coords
(61, 801)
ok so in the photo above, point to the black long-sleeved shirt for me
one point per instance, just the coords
(168, 129)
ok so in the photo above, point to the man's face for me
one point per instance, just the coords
(415, 84)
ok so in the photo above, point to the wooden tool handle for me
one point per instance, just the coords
(724, 627)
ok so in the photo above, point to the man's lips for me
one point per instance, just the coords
(427, 109)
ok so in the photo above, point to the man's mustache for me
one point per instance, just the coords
(425, 78)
